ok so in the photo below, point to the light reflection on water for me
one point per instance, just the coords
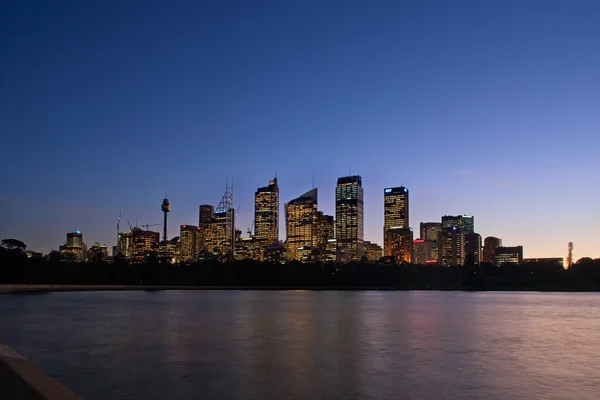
(311, 345)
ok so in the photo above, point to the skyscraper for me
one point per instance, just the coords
(465, 223)
(189, 239)
(395, 211)
(490, 244)
(349, 216)
(451, 247)
(399, 244)
(266, 213)
(422, 251)
(74, 249)
(300, 220)
(472, 248)
(429, 233)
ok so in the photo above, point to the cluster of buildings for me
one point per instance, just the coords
(311, 236)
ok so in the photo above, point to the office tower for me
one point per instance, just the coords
(300, 221)
(169, 251)
(429, 233)
(472, 248)
(136, 244)
(266, 212)
(373, 251)
(349, 203)
(465, 223)
(217, 231)
(166, 208)
(508, 255)
(189, 236)
(206, 215)
(451, 247)
(395, 210)
(74, 249)
(430, 230)
(422, 251)
(399, 243)
(490, 244)
(97, 252)
(324, 231)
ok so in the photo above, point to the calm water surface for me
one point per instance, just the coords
(311, 345)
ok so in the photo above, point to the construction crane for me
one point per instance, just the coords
(250, 229)
(118, 224)
(129, 223)
(147, 226)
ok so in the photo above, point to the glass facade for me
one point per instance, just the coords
(349, 216)
(300, 220)
(395, 211)
(266, 213)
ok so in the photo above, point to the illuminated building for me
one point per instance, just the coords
(331, 251)
(300, 220)
(559, 261)
(430, 232)
(472, 248)
(464, 223)
(349, 203)
(220, 234)
(189, 243)
(422, 251)
(98, 252)
(251, 248)
(490, 244)
(451, 247)
(324, 231)
(143, 243)
(266, 213)
(373, 251)
(399, 244)
(508, 255)
(205, 218)
(74, 249)
(395, 210)
(169, 251)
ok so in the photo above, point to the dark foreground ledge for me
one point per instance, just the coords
(19, 379)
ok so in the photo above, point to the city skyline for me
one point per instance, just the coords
(349, 188)
(492, 105)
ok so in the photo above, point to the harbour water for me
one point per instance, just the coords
(310, 344)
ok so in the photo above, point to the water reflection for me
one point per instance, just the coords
(299, 345)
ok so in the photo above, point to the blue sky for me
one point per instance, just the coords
(488, 108)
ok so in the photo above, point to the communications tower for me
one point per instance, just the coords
(165, 207)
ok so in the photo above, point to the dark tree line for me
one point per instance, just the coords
(17, 268)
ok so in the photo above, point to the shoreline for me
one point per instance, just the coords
(24, 289)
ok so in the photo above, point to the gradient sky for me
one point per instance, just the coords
(489, 108)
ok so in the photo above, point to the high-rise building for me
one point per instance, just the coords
(74, 249)
(97, 252)
(324, 231)
(399, 244)
(251, 248)
(464, 223)
(349, 217)
(490, 244)
(136, 245)
(451, 247)
(395, 210)
(509, 255)
(429, 233)
(266, 213)
(206, 215)
(373, 251)
(189, 242)
(422, 251)
(300, 220)
(430, 230)
(472, 248)
(220, 234)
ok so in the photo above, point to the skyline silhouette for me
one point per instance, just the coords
(481, 109)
